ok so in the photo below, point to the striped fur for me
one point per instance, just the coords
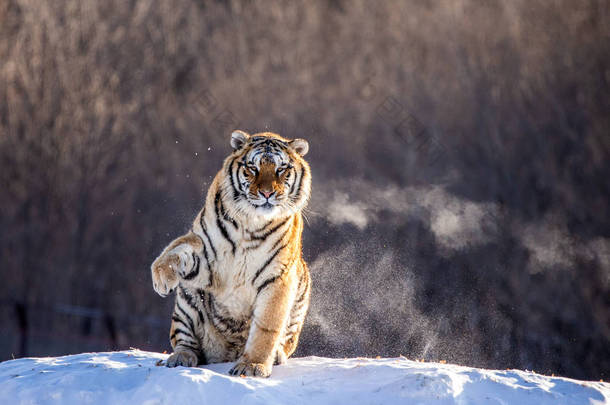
(242, 286)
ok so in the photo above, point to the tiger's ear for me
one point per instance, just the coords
(238, 138)
(300, 146)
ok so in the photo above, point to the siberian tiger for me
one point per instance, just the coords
(242, 286)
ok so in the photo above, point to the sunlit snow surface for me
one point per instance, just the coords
(131, 377)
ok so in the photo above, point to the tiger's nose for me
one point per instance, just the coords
(266, 194)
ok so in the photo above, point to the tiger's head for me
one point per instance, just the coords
(267, 175)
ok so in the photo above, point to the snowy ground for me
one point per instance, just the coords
(131, 377)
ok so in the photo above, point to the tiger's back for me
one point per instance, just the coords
(242, 284)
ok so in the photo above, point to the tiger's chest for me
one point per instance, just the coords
(234, 288)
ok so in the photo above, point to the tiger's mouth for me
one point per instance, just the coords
(267, 205)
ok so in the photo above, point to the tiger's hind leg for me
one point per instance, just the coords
(290, 341)
(294, 324)
(280, 356)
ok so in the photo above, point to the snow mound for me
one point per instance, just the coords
(131, 377)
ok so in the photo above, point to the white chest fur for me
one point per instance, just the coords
(234, 274)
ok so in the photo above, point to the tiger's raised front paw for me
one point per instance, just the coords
(164, 274)
(183, 358)
(251, 370)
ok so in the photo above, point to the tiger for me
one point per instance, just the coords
(242, 286)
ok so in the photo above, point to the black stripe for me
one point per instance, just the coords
(207, 262)
(298, 190)
(266, 283)
(195, 270)
(187, 316)
(231, 324)
(268, 233)
(178, 331)
(263, 238)
(205, 252)
(281, 238)
(304, 292)
(253, 246)
(182, 332)
(223, 212)
(256, 153)
(176, 318)
(221, 226)
(193, 348)
(260, 140)
(300, 299)
(300, 306)
(230, 173)
(296, 176)
(206, 233)
(263, 228)
(240, 186)
(259, 271)
(189, 300)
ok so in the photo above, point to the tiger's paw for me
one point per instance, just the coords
(251, 370)
(164, 275)
(183, 358)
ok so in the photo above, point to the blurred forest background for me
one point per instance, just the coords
(461, 203)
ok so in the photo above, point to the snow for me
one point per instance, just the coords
(131, 377)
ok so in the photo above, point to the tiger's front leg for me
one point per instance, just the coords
(185, 331)
(271, 310)
(180, 262)
(183, 263)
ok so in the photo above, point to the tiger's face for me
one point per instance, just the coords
(268, 175)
